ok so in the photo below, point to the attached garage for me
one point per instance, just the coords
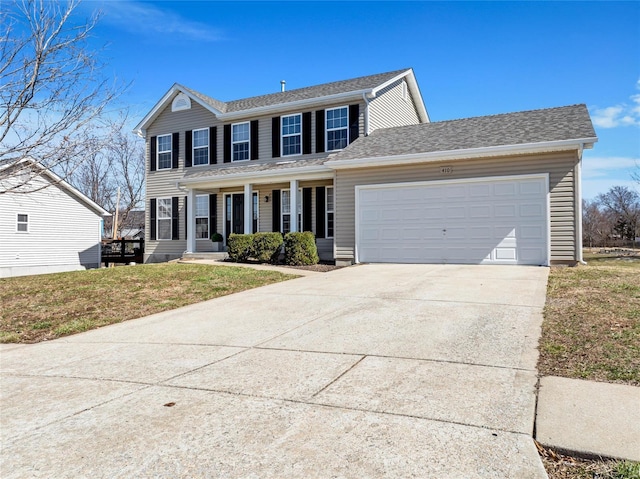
(499, 220)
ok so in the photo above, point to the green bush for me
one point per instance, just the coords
(266, 247)
(239, 247)
(300, 249)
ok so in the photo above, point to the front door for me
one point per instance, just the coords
(234, 214)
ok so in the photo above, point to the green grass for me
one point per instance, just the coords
(37, 308)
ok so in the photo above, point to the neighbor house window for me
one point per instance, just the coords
(202, 217)
(22, 224)
(240, 141)
(164, 218)
(201, 147)
(329, 212)
(337, 128)
(291, 135)
(164, 152)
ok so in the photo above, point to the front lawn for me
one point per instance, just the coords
(37, 308)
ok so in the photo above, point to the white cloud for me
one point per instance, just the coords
(600, 173)
(149, 20)
(623, 114)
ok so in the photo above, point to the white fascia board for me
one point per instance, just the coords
(318, 172)
(451, 155)
(141, 128)
(413, 88)
(322, 100)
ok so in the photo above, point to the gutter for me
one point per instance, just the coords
(467, 153)
(280, 173)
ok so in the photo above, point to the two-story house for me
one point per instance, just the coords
(358, 163)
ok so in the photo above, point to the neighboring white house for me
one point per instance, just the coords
(46, 225)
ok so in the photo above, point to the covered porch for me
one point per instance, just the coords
(304, 202)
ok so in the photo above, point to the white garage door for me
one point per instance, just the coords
(492, 221)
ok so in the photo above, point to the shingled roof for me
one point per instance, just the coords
(524, 127)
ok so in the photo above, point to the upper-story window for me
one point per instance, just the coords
(164, 152)
(240, 141)
(337, 120)
(291, 135)
(201, 147)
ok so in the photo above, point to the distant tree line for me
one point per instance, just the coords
(612, 219)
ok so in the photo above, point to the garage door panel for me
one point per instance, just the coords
(484, 221)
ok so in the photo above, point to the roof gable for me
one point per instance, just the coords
(366, 85)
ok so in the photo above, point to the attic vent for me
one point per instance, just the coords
(181, 102)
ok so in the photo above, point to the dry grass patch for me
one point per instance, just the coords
(37, 308)
(591, 326)
(559, 466)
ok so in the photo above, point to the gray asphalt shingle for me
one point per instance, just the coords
(534, 126)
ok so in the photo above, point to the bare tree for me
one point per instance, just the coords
(624, 205)
(52, 94)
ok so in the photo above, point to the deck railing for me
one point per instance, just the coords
(122, 251)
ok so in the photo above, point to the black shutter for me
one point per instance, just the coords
(175, 227)
(306, 133)
(227, 144)
(254, 139)
(152, 218)
(321, 207)
(320, 131)
(275, 137)
(275, 210)
(188, 150)
(213, 145)
(354, 122)
(213, 214)
(186, 218)
(175, 149)
(306, 209)
(152, 153)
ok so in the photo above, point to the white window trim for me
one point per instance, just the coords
(244, 141)
(194, 148)
(282, 135)
(18, 222)
(327, 211)
(299, 205)
(208, 216)
(256, 194)
(158, 218)
(326, 130)
(170, 151)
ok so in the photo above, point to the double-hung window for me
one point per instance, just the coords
(337, 120)
(202, 217)
(201, 147)
(164, 152)
(291, 135)
(164, 218)
(22, 223)
(329, 212)
(240, 141)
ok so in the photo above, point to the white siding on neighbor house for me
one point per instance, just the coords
(63, 234)
(389, 108)
(559, 166)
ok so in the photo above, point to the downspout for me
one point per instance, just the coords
(579, 205)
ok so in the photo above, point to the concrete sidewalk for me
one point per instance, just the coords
(589, 419)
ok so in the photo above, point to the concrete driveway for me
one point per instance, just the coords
(372, 371)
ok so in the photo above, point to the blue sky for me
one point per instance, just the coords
(470, 58)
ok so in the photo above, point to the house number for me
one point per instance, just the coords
(446, 170)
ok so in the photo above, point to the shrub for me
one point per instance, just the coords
(216, 237)
(239, 247)
(266, 247)
(300, 249)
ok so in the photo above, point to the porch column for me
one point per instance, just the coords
(191, 221)
(293, 195)
(248, 209)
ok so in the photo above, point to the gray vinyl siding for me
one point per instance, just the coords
(389, 109)
(559, 166)
(63, 234)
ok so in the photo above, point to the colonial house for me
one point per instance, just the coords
(46, 225)
(358, 163)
